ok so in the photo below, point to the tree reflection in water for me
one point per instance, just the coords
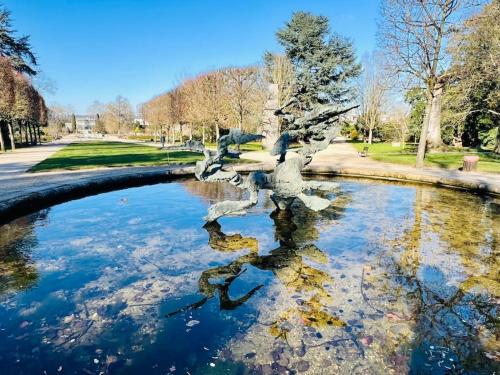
(406, 275)
(453, 306)
(431, 294)
(17, 270)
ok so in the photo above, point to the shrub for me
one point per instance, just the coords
(354, 134)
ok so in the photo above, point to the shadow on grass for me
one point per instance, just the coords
(93, 161)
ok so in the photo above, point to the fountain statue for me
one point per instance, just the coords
(315, 130)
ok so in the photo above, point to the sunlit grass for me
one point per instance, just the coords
(95, 154)
(250, 146)
(453, 159)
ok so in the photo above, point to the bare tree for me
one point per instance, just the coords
(279, 70)
(195, 112)
(373, 88)
(244, 87)
(118, 116)
(413, 35)
(208, 102)
(58, 115)
(214, 99)
(178, 109)
(7, 98)
(149, 112)
(397, 123)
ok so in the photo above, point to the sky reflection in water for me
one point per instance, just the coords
(389, 278)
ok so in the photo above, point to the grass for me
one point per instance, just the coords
(86, 155)
(250, 146)
(140, 137)
(450, 159)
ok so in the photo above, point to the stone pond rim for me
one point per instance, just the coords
(25, 203)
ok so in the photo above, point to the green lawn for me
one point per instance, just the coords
(452, 159)
(95, 154)
(250, 146)
(140, 137)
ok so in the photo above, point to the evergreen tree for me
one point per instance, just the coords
(99, 125)
(18, 50)
(73, 123)
(416, 99)
(324, 62)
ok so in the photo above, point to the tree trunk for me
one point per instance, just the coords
(203, 134)
(35, 132)
(26, 133)
(11, 136)
(370, 136)
(217, 132)
(422, 143)
(2, 144)
(35, 138)
(39, 134)
(20, 127)
(434, 139)
(190, 132)
(30, 134)
(181, 128)
(497, 145)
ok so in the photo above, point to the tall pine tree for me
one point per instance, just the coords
(18, 50)
(324, 62)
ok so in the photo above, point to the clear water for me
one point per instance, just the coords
(391, 279)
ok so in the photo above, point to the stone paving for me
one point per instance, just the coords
(15, 163)
(342, 158)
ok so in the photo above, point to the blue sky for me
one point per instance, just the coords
(97, 49)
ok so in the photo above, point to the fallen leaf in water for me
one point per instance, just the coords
(393, 316)
(111, 359)
(192, 323)
(367, 340)
(493, 355)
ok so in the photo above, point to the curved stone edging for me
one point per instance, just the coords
(478, 187)
(29, 202)
(79, 188)
(420, 177)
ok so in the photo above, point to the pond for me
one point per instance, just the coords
(391, 278)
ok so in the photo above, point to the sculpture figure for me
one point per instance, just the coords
(190, 145)
(315, 130)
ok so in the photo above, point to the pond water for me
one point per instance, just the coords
(390, 279)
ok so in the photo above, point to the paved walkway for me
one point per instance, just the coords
(15, 163)
(342, 158)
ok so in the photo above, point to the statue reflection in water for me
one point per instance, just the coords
(286, 262)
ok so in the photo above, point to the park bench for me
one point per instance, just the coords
(363, 153)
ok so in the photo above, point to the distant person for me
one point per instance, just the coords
(162, 140)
